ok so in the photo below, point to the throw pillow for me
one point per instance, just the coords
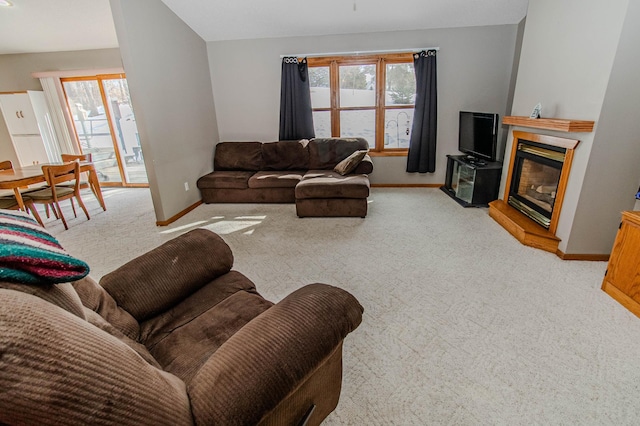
(30, 255)
(350, 163)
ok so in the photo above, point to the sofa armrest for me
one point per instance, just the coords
(269, 357)
(365, 167)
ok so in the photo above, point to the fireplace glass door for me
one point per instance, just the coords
(536, 176)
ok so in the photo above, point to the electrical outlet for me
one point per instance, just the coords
(186, 186)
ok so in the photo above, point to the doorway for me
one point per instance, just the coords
(105, 127)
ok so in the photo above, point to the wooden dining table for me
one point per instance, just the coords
(21, 177)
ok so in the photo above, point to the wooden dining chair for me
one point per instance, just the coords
(9, 202)
(66, 158)
(55, 192)
(84, 183)
(6, 165)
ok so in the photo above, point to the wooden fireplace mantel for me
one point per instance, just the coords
(558, 124)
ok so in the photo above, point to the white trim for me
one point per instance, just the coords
(55, 100)
(366, 52)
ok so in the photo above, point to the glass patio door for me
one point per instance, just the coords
(105, 126)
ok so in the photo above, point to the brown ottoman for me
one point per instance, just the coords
(325, 193)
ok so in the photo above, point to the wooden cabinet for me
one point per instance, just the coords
(29, 124)
(622, 279)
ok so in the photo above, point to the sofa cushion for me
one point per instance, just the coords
(165, 276)
(94, 297)
(275, 179)
(325, 153)
(30, 254)
(159, 327)
(186, 349)
(285, 155)
(329, 184)
(350, 163)
(104, 325)
(238, 156)
(225, 179)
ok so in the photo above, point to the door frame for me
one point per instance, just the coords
(99, 78)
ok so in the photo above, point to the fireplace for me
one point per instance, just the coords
(535, 187)
(536, 171)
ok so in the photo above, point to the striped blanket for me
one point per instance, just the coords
(30, 255)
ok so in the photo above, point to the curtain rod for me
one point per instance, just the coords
(366, 52)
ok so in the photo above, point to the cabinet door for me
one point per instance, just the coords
(19, 114)
(624, 270)
(11, 112)
(30, 150)
(466, 182)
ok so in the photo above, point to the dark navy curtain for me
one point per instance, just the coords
(422, 145)
(296, 118)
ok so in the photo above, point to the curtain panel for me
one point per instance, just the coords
(296, 117)
(422, 145)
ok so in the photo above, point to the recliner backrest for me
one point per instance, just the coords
(159, 279)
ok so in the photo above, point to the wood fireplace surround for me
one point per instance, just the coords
(536, 233)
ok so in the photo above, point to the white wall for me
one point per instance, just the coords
(168, 74)
(613, 171)
(474, 72)
(566, 60)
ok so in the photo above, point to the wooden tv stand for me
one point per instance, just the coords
(472, 183)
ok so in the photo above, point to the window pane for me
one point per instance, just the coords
(319, 86)
(121, 113)
(357, 85)
(397, 127)
(359, 124)
(322, 124)
(400, 88)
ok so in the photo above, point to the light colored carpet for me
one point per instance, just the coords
(463, 325)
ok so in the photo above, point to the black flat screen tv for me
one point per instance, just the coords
(478, 135)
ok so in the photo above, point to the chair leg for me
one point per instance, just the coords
(82, 205)
(64, 222)
(73, 206)
(32, 209)
(46, 210)
(53, 209)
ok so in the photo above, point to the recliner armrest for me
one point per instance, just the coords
(57, 368)
(270, 356)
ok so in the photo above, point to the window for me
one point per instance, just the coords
(364, 96)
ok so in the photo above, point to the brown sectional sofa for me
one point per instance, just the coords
(300, 172)
(174, 337)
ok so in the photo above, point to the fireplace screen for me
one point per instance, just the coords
(535, 181)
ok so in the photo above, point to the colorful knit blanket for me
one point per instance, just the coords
(30, 255)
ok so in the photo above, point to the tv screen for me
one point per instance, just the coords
(478, 135)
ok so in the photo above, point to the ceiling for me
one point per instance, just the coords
(48, 26)
(56, 25)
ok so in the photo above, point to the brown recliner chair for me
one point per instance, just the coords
(173, 337)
